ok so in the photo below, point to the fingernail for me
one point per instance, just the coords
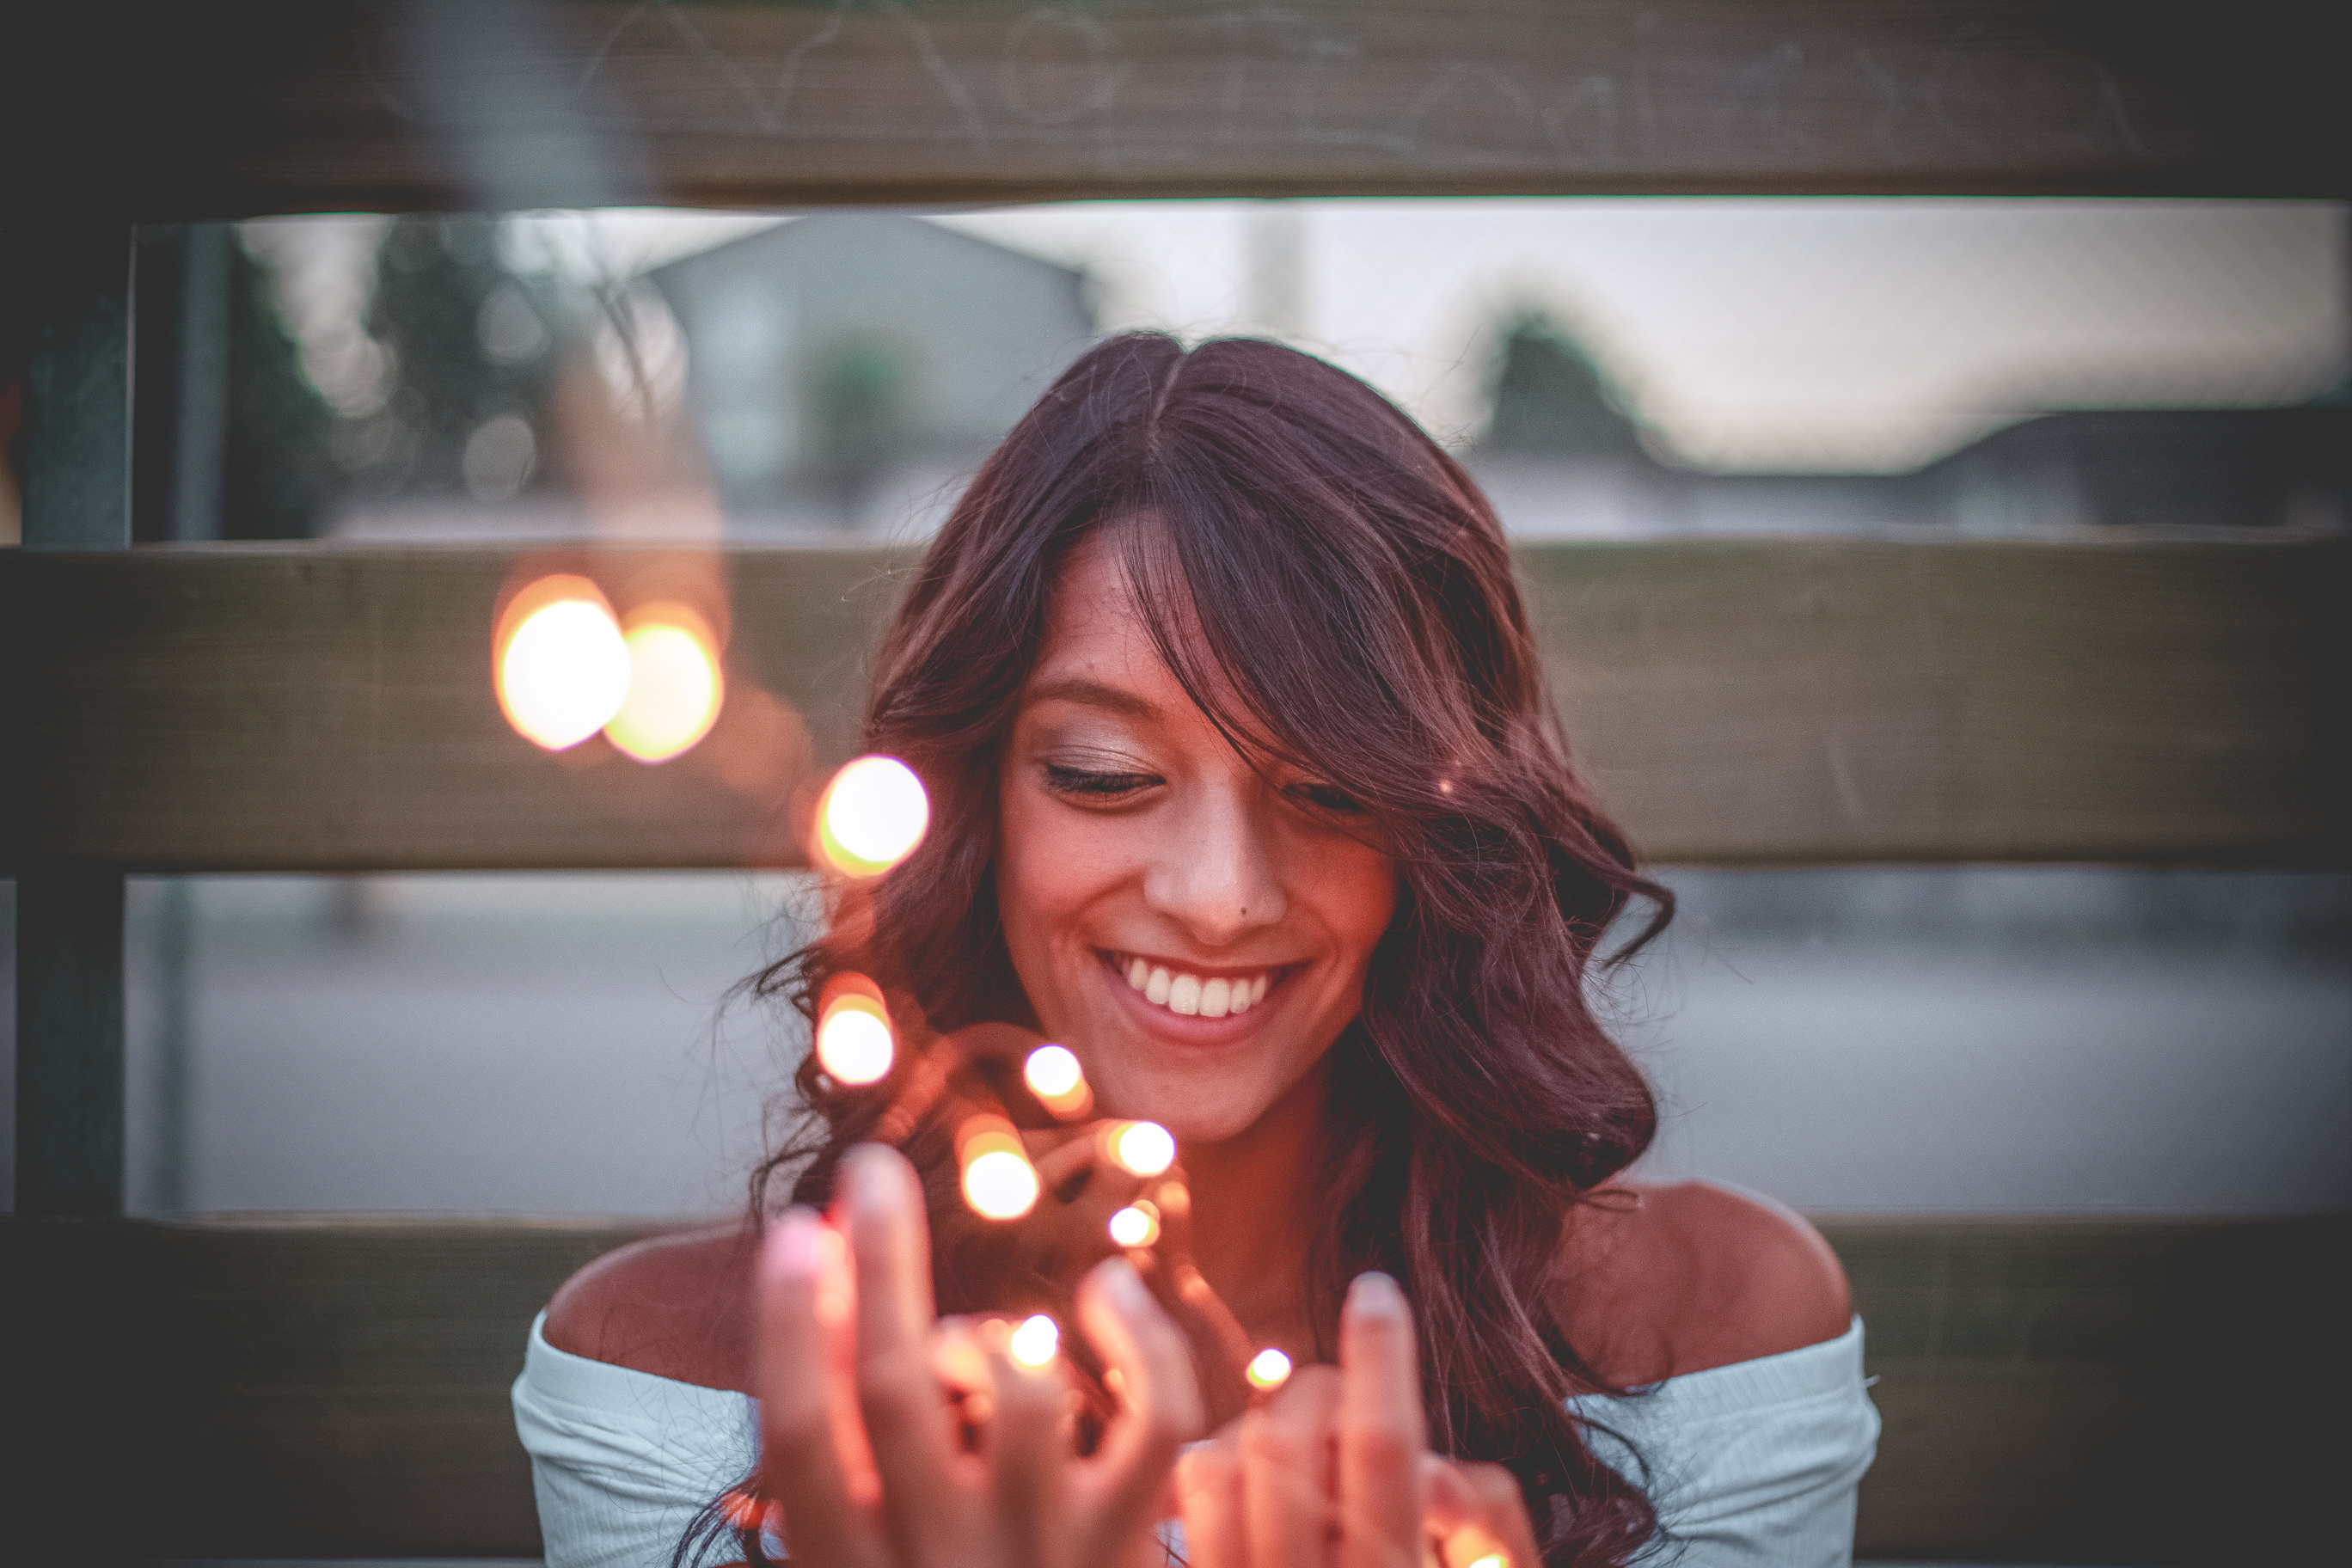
(1375, 1294)
(873, 1184)
(790, 1251)
(1120, 1282)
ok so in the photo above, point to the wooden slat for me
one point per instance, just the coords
(1741, 702)
(2100, 1391)
(2142, 1391)
(254, 106)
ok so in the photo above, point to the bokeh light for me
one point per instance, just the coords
(871, 816)
(1036, 1342)
(855, 1046)
(1492, 1560)
(1142, 1148)
(1268, 1369)
(999, 1183)
(1137, 1225)
(1055, 1077)
(854, 1042)
(562, 667)
(675, 687)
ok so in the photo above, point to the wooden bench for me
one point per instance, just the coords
(336, 1385)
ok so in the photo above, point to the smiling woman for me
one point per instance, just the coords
(1245, 789)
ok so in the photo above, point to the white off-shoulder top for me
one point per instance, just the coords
(1747, 1464)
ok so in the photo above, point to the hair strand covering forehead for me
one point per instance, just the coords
(1331, 587)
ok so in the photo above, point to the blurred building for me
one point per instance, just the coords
(839, 360)
(1563, 456)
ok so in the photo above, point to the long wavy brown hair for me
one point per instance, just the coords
(1327, 582)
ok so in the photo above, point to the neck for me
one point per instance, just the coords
(1254, 1209)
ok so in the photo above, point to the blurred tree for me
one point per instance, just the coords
(862, 385)
(278, 478)
(1550, 399)
(470, 346)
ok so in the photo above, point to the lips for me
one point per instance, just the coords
(1191, 995)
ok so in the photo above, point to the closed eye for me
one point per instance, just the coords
(1084, 784)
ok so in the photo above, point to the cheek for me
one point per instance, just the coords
(1353, 897)
(1362, 899)
(1045, 879)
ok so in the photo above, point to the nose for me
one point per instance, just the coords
(1217, 873)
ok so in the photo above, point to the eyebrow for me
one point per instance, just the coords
(1094, 694)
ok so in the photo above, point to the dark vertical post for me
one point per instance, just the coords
(200, 430)
(179, 450)
(68, 1040)
(77, 496)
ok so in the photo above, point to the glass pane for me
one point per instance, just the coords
(1607, 366)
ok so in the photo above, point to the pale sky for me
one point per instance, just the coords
(1765, 334)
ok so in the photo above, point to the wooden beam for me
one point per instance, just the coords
(1737, 701)
(254, 106)
(338, 1386)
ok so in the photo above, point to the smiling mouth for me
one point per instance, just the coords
(1192, 995)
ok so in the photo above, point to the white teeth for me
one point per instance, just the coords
(1192, 995)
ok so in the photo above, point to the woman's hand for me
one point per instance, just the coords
(863, 1447)
(1334, 1470)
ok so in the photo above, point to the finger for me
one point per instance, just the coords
(1380, 1433)
(1150, 1372)
(800, 1466)
(960, 1363)
(905, 1417)
(1026, 1453)
(1286, 1473)
(1072, 1155)
(1209, 1494)
(1478, 1512)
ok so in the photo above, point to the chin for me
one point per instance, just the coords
(1209, 1119)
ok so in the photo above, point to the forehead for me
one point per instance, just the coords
(1099, 643)
(1095, 632)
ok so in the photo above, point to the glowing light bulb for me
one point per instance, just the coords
(1268, 1369)
(1137, 1225)
(854, 1044)
(1492, 1560)
(1054, 1076)
(1036, 1342)
(561, 665)
(1142, 1148)
(998, 1182)
(871, 816)
(675, 687)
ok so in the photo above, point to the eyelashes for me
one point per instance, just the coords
(1324, 798)
(1087, 785)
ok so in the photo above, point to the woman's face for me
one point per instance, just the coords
(1196, 932)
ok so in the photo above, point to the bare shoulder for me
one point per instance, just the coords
(1660, 1280)
(675, 1306)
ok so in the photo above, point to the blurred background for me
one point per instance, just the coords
(1976, 1039)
